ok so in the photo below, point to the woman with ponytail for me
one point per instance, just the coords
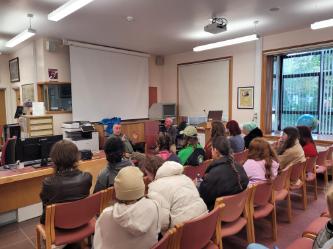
(223, 176)
(262, 161)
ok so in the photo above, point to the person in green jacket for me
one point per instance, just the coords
(192, 154)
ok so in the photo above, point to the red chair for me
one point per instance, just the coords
(241, 157)
(329, 159)
(297, 181)
(193, 171)
(281, 188)
(315, 226)
(263, 204)
(321, 167)
(199, 233)
(235, 215)
(311, 175)
(301, 243)
(8, 151)
(168, 240)
(69, 222)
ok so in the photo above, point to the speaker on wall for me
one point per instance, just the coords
(159, 60)
(51, 45)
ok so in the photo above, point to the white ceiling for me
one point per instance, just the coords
(160, 26)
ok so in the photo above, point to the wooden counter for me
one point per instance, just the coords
(21, 187)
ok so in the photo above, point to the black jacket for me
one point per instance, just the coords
(221, 180)
(256, 132)
(64, 187)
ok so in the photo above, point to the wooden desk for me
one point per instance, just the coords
(21, 187)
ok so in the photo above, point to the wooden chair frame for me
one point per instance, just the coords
(303, 187)
(315, 181)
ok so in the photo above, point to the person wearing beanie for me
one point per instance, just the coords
(192, 154)
(133, 221)
(114, 149)
(175, 193)
(251, 131)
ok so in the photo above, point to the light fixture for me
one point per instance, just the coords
(24, 35)
(226, 43)
(322, 24)
(67, 9)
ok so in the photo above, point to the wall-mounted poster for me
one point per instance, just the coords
(14, 70)
(53, 74)
(28, 95)
(245, 97)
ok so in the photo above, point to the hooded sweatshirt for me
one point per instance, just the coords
(106, 177)
(128, 226)
(176, 195)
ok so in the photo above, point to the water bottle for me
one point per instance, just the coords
(198, 180)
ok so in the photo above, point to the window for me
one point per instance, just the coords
(303, 84)
(57, 97)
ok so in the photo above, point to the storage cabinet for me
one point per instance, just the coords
(36, 126)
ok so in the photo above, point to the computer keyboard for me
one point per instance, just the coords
(34, 162)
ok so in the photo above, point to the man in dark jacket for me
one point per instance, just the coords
(114, 149)
(223, 177)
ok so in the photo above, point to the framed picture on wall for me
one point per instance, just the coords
(245, 97)
(14, 70)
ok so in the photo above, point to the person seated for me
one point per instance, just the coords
(170, 130)
(251, 131)
(67, 183)
(306, 141)
(175, 193)
(192, 154)
(163, 145)
(326, 234)
(223, 176)
(133, 221)
(289, 150)
(261, 164)
(236, 140)
(114, 149)
(217, 130)
(117, 133)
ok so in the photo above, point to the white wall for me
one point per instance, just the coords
(246, 65)
(155, 76)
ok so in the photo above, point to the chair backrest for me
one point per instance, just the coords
(280, 182)
(297, 171)
(330, 153)
(311, 164)
(197, 233)
(193, 171)
(108, 195)
(241, 157)
(75, 214)
(8, 151)
(262, 193)
(234, 205)
(167, 241)
(322, 156)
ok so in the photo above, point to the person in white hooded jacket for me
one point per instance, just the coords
(133, 222)
(176, 194)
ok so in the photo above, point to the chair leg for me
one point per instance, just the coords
(274, 224)
(249, 232)
(304, 195)
(38, 238)
(315, 185)
(289, 207)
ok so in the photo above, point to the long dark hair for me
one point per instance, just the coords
(217, 129)
(305, 135)
(163, 141)
(293, 136)
(260, 149)
(222, 145)
(233, 128)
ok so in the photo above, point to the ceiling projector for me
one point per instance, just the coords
(218, 25)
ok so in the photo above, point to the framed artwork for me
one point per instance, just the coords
(14, 70)
(53, 74)
(28, 94)
(245, 97)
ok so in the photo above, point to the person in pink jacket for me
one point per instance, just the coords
(262, 163)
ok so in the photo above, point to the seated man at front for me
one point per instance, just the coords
(114, 149)
(117, 133)
(170, 129)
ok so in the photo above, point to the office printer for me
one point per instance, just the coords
(81, 133)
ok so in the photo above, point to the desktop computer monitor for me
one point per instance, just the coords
(37, 148)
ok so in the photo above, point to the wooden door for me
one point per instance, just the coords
(17, 96)
(152, 95)
(2, 107)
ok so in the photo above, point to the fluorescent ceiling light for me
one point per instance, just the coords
(226, 43)
(26, 34)
(67, 9)
(322, 24)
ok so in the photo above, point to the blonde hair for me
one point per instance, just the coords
(329, 200)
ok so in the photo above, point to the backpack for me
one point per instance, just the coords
(196, 158)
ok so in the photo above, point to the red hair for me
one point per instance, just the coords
(233, 128)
